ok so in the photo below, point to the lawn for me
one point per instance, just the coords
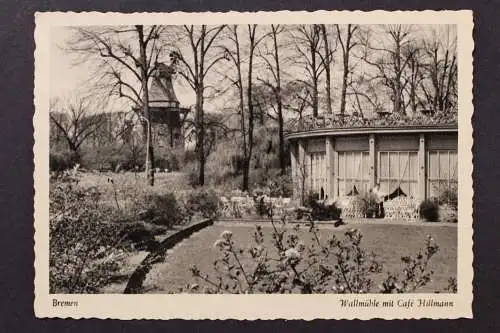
(123, 188)
(389, 242)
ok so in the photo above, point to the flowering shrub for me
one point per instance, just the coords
(415, 273)
(85, 251)
(338, 265)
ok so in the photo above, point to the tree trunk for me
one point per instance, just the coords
(200, 136)
(328, 86)
(344, 84)
(279, 102)
(282, 155)
(315, 82)
(145, 100)
(251, 115)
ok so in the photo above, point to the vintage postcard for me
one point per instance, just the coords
(268, 165)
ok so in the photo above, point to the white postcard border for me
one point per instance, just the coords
(306, 307)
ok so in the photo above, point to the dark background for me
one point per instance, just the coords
(16, 169)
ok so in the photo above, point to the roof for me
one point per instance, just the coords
(392, 123)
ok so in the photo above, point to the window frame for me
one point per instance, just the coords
(390, 179)
(451, 179)
(365, 179)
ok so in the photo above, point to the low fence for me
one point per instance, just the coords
(136, 280)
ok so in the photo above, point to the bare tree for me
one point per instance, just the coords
(254, 41)
(413, 77)
(347, 43)
(390, 59)
(273, 60)
(76, 121)
(327, 61)
(195, 65)
(441, 70)
(296, 97)
(307, 39)
(126, 57)
(236, 53)
(236, 56)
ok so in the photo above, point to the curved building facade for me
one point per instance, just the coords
(419, 161)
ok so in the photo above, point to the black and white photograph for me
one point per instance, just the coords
(255, 155)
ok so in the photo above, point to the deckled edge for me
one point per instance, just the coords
(39, 162)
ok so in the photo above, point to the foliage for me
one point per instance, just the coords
(205, 202)
(353, 121)
(449, 195)
(323, 212)
(85, 250)
(311, 199)
(415, 272)
(169, 159)
(162, 209)
(289, 266)
(61, 160)
(452, 286)
(112, 157)
(281, 185)
(429, 210)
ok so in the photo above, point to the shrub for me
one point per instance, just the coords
(139, 236)
(449, 196)
(168, 158)
(311, 198)
(415, 273)
(162, 209)
(62, 160)
(429, 210)
(281, 185)
(323, 212)
(372, 207)
(85, 250)
(205, 202)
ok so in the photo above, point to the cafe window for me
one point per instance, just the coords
(442, 171)
(353, 175)
(398, 170)
(317, 173)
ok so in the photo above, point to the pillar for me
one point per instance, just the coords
(293, 160)
(372, 161)
(421, 168)
(335, 171)
(330, 166)
(301, 169)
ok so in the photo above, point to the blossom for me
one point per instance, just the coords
(219, 243)
(292, 253)
(300, 246)
(226, 235)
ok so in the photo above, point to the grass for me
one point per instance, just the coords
(122, 189)
(389, 242)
